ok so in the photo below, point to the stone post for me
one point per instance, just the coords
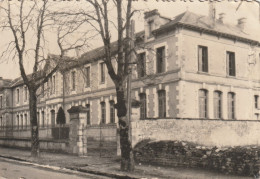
(77, 136)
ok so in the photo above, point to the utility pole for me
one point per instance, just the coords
(129, 80)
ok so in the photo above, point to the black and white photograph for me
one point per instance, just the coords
(130, 89)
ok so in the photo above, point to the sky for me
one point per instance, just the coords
(9, 69)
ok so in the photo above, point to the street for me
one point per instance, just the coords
(13, 170)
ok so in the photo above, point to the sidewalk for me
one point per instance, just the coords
(110, 166)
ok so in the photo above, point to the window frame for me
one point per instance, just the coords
(143, 106)
(73, 81)
(17, 95)
(141, 65)
(232, 108)
(231, 63)
(112, 111)
(161, 60)
(102, 73)
(256, 99)
(161, 103)
(103, 112)
(218, 104)
(87, 73)
(203, 59)
(88, 114)
(203, 106)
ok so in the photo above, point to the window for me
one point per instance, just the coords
(87, 73)
(38, 118)
(203, 103)
(103, 112)
(203, 58)
(53, 85)
(26, 120)
(112, 112)
(150, 28)
(21, 121)
(43, 91)
(162, 103)
(256, 101)
(217, 104)
(231, 64)
(25, 93)
(231, 105)
(1, 120)
(88, 113)
(141, 65)
(102, 72)
(17, 95)
(1, 101)
(43, 118)
(160, 56)
(17, 121)
(52, 117)
(73, 80)
(143, 105)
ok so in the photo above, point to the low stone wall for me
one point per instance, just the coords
(45, 144)
(232, 160)
(220, 133)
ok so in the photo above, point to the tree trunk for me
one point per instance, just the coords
(127, 159)
(35, 151)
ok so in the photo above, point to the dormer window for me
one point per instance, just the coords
(150, 28)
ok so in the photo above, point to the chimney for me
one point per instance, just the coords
(241, 23)
(212, 10)
(221, 18)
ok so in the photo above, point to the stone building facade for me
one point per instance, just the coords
(191, 66)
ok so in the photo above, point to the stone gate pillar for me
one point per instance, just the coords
(77, 137)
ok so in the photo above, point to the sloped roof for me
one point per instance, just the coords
(190, 19)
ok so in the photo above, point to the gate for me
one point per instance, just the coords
(102, 140)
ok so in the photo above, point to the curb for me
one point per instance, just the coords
(55, 168)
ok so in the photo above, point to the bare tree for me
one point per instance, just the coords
(28, 21)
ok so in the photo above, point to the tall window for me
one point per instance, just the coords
(141, 65)
(203, 103)
(102, 72)
(103, 112)
(150, 28)
(218, 104)
(52, 117)
(43, 90)
(203, 58)
(17, 95)
(53, 85)
(25, 93)
(231, 64)
(26, 120)
(143, 105)
(43, 119)
(256, 101)
(17, 121)
(160, 56)
(87, 73)
(38, 118)
(1, 120)
(162, 103)
(112, 112)
(88, 113)
(21, 121)
(73, 80)
(231, 105)
(1, 101)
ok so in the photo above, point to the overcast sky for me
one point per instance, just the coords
(10, 69)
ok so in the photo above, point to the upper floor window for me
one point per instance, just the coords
(218, 104)
(43, 90)
(17, 121)
(73, 80)
(150, 28)
(21, 121)
(203, 103)
(87, 76)
(26, 120)
(103, 112)
(231, 105)
(53, 85)
(112, 112)
(203, 58)
(256, 101)
(141, 65)
(1, 101)
(25, 93)
(88, 113)
(231, 64)
(162, 103)
(17, 95)
(102, 72)
(43, 119)
(143, 105)
(160, 57)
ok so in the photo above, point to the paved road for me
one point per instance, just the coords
(10, 169)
